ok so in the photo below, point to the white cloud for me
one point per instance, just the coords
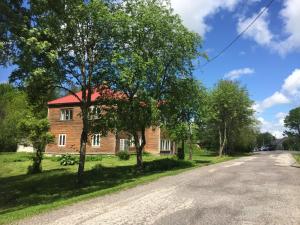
(290, 91)
(291, 17)
(276, 99)
(276, 128)
(261, 33)
(292, 83)
(195, 12)
(236, 74)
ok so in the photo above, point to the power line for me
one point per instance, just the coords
(240, 34)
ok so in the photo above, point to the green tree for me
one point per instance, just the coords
(154, 49)
(230, 112)
(12, 14)
(36, 131)
(264, 139)
(185, 104)
(14, 107)
(63, 45)
(292, 123)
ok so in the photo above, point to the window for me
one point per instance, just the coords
(66, 114)
(165, 145)
(96, 140)
(132, 144)
(94, 112)
(62, 138)
(124, 144)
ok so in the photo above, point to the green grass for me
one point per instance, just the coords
(297, 157)
(23, 195)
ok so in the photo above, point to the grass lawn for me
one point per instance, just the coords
(297, 157)
(23, 195)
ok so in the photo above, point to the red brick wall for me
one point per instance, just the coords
(73, 129)
(153, 140)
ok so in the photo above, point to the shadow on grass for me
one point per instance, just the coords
(202, 161)
(30, 190)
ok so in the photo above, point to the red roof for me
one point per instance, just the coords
(103, 92)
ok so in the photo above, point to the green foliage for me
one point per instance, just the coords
(67, 160)
(123, 155)
(14, 107)
(292, 123)
(36, 131)
(264, 139)
(291, 144)
(230, 115)
(148, 61)
(167, 164)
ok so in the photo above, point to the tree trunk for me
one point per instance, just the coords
(37, 159)
(139, 148)
(190, 144)
(222, 140)
(83, 143)
(139, 158)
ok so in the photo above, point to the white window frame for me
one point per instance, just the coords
(96, 143)
(95, 112)
(62, 140)
(132, 144)
(66, 114)
(165, 145)
(123, 144)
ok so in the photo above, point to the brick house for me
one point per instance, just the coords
(66, 126)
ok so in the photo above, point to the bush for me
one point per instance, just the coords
(123, 155)
(166, 164)
(67, 160)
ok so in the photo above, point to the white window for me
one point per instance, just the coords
(165, 145)
(62, 139)
(96, 140)
(94, 112)
(66, 114)
(132, 141)
(124, 144)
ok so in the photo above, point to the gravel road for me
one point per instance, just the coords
(260, 189)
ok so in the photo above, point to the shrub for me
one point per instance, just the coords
(166, 164)
(123, 155)
(67, 160)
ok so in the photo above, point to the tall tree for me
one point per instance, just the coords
(154, 49)
(14, 106)
(264, 139)
(292, 123)
(231, 110)
(185, 104)
(12, 17)
(66, 44)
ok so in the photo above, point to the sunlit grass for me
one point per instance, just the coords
(23, 195)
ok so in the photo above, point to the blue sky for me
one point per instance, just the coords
(266, 59)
